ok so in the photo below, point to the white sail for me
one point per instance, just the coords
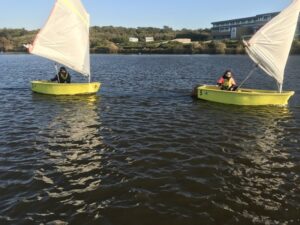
(65, 36)
(271, 45)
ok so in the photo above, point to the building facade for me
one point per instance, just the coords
(133, 39)
(183, 40)
(242, 28)
(149, 39)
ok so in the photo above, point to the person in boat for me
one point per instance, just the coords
(227, 82)
(63, 76)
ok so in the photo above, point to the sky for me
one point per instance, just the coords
(178, 14)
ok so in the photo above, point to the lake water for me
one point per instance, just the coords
(143, 152)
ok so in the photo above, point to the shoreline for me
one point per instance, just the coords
(145, 53)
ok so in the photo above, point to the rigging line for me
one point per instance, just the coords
(249, 75)
(55, 65)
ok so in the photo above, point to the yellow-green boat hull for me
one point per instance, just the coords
(242, 96)
(52, 88)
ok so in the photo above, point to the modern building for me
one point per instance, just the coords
(237, 29)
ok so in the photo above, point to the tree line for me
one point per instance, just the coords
(113, 40)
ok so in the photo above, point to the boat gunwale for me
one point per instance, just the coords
(246, 91)
(62, 84)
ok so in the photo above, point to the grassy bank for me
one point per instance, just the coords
(115, 40)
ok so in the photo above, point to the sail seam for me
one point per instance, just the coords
(71, 7)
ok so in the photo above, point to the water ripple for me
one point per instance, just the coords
(143, 151)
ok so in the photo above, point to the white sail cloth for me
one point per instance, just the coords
(65, 36)
(270, 46)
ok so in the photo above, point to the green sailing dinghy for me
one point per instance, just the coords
(269, 48)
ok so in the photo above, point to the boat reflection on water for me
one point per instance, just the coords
(73, 147)
(259, 177)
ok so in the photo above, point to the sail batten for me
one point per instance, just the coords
(65, 36)
(270, 46)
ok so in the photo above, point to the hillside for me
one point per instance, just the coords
(114, 40)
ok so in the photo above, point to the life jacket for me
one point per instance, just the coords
(63, 77)
(228, 83)
(221, 80)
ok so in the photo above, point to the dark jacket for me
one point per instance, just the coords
(62, 79)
